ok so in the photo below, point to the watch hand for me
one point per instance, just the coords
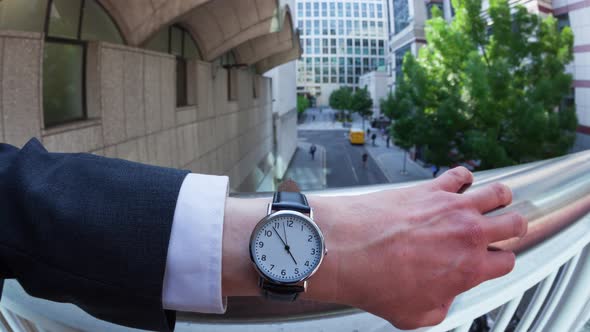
(274, 229)
(289, 251)
(286, 246)
(285, 232)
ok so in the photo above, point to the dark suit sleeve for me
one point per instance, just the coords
(88, 230)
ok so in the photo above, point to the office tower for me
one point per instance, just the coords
(342, 40)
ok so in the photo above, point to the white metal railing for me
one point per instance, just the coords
(548, 290)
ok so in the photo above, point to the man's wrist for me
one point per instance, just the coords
(323, 286)
(238, 275)
(241, 216)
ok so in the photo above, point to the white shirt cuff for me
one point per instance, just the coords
(192, 281)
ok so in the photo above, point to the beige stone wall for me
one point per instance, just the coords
(20, 86)
(132, 111)
(286, 140)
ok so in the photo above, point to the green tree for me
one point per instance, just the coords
(341, 99)
(490, 93)
(302, 105)
(362, 104)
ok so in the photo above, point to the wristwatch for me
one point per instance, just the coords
(286, 247)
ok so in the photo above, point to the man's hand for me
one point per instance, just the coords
(405, 254)
(400, 254)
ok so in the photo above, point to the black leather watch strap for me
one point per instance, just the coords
(273, 291)
(284, 200)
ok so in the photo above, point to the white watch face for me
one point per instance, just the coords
(287, 247)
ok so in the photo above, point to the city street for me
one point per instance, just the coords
(343, 163)
(338, 163)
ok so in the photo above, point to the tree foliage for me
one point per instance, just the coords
(302, 104)
(341, 99)
(362, 103)
(495, 97)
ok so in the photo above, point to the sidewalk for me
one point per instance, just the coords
(391, 160)
(309, 174)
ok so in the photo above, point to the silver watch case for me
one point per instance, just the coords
(271, 215)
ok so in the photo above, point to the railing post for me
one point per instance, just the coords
(560, 287)
(574, 298)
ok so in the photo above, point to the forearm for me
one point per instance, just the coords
(88, 225)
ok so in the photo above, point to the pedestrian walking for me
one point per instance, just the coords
(368, 132)
(312, 150)
(313, 118)
(387, 140)
(374, 137)
(365, 157)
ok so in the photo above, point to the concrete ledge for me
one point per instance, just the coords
(21, 34)
(134, 49)
(55, 130)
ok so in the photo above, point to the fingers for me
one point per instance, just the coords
(504, 226)
(454, 180)
(497, 264)
(490, 197)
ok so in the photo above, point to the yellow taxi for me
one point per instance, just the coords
(356, 136)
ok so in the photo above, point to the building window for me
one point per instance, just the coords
(401, 15)
(228, 61)
(178, 41)
(431, 5)
(68, 26)
(399, 60)
(489, 30)
(569, 101)
(22, 15)
(254, 85)
(563, 21)
(63, 82)
(183, 47)
(97, 24)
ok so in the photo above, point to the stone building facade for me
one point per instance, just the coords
(209, 110)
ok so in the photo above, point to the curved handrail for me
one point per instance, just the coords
(553, 194)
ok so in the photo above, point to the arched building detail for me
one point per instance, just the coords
(254, 29)
(257, 49)
(141, 19)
